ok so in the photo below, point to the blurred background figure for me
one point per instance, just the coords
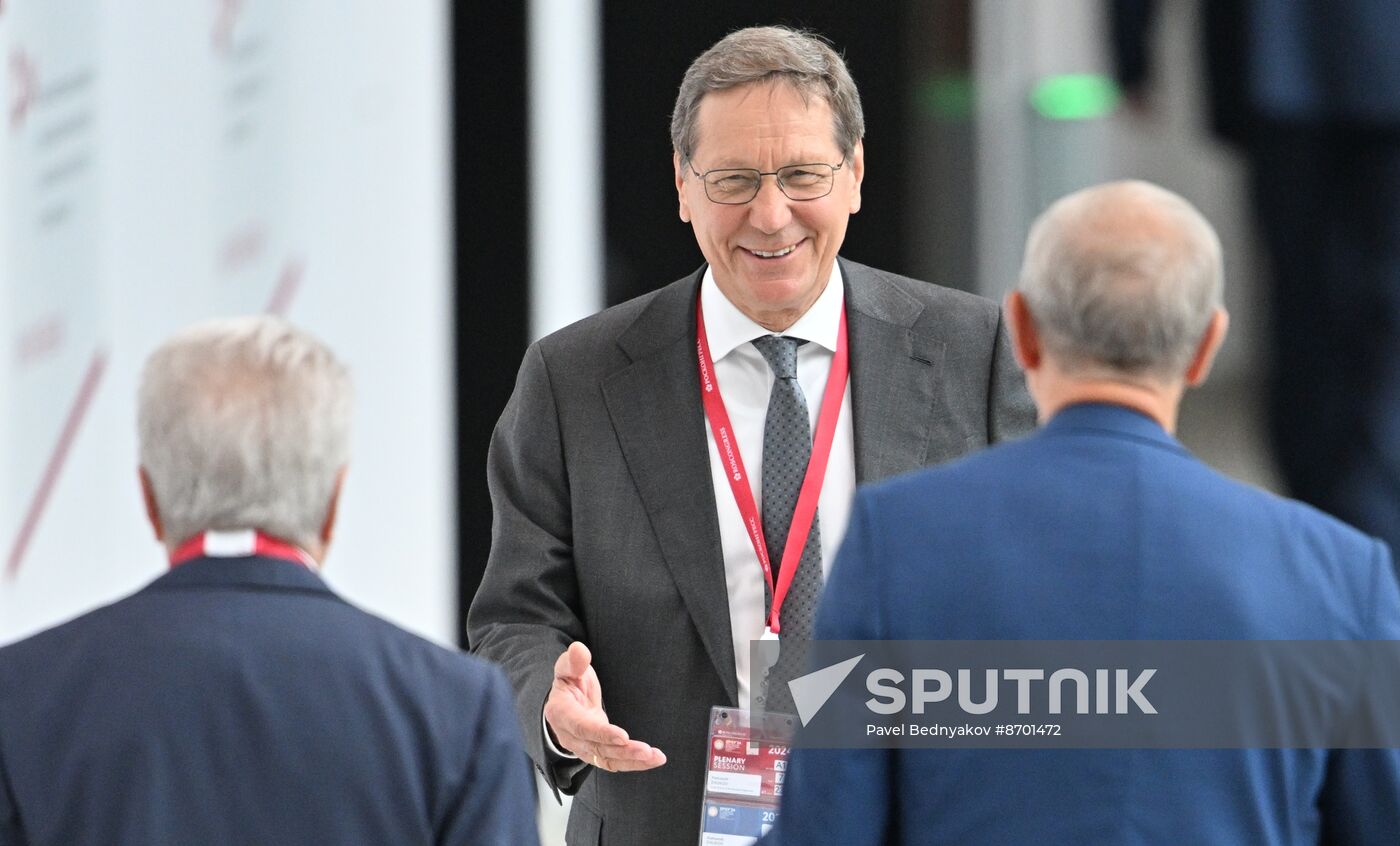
(1309, 94)
(237, 699)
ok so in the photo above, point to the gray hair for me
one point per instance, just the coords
(803, 60)
(244, 423)
(1122, 277)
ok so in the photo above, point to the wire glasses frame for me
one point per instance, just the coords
(735, 186)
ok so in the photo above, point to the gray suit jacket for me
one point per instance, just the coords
(605, 525)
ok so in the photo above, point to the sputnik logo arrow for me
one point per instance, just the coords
(810, 692)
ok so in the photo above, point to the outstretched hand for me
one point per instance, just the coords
(574, 712)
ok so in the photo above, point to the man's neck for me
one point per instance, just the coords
(730, 326)
(777, 322)
(1157, 402)
(780, 320)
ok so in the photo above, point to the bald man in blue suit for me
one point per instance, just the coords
(1099, 527)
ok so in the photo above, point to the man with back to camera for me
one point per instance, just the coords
(1101, 527)
(236, 699)
(622, 572)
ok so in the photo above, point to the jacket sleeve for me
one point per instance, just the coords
(526, 612)
(1360, 801)
(495, 803)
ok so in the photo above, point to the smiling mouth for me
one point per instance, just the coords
(772, 254)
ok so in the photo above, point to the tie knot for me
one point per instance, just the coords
(781, 353)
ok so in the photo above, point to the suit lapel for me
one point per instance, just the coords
(654, 405)
(893, 370)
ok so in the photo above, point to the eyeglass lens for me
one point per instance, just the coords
(798, 182)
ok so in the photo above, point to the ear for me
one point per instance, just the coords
(680, 185)
(1025, 339)
(857, 171)
(1214, 336)
(332, 510)
(148, 493)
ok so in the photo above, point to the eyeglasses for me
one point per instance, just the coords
(735, 186)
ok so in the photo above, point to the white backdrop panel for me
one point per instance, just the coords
(246, 155)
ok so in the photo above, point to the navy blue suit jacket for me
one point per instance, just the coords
(239, 701)
(1098, 527)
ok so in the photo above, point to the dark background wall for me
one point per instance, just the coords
(492, 256)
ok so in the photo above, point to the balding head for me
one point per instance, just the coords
(1122, 280)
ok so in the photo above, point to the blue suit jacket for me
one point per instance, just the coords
(1100, 526)
(239, 701)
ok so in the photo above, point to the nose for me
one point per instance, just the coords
(769, 210)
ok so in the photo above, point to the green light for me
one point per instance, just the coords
(1075, 96)
(948, 97)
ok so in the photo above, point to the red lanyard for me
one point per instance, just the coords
(238, 544)
(807, 497)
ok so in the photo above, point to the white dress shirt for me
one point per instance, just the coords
(745, 380)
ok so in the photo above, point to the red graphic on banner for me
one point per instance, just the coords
(242, 247)
(40, 340)
(287, 285)
(225, 21)
(55, 466)
(24, 87)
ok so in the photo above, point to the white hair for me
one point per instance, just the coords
(1124, 278)
(244, 423)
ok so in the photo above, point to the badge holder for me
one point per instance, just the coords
(744, 774)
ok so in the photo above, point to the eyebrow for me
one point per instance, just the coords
(733, 164)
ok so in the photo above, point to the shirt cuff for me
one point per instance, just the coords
(549, 743)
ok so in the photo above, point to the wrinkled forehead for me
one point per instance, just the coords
(771, 110)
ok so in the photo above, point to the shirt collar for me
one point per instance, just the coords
(727, 328)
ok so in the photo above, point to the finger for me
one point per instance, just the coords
(632, 752)
(627, 765)
(573, 662)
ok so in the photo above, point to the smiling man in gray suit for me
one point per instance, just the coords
(671, 478)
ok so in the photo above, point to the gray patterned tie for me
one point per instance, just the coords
(787, 446)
